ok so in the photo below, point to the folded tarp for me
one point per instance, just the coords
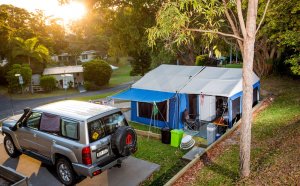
(142, 95)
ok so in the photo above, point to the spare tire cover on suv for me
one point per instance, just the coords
(124, 141)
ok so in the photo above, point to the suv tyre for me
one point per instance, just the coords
(65, 172)
(10, 147)
(124, 141)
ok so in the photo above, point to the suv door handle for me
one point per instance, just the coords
(53, 141)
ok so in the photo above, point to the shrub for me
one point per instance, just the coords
(97, 71)
(48, 83)
(201, 59)
(204, 60)
(90, 86)
(13, 81)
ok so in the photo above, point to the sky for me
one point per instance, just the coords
(68, 12)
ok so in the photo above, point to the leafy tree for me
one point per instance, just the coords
(97, 71)
(13, 81)
(119, 29)
(140, 64)
(294, 61)
(14, 22)
(31, 49)
(279, 35)
(178, 21)
(48, 83)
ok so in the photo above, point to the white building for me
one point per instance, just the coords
(75, 74)
(88, 55)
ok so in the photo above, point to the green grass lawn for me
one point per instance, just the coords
(275, 143)
(240, 65)
(93, 97)
(120, 75)
(144, 127)
(169, 158)
(58, 92)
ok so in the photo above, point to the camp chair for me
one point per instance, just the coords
(189, 124)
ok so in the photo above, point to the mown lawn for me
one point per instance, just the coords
(145, 127)
(120, 75)
(57, 92)
(240, 65)
(93, 97)
(169, 159)
(275, 153)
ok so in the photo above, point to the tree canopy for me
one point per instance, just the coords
(30, 49)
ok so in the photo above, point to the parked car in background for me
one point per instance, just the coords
(78, 138)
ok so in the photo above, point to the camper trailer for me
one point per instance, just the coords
(188, 97)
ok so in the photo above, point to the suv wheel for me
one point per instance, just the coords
(65, 172)
(10, 147)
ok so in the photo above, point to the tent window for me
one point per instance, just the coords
(145, 110)
(255, 96)
(236, 109)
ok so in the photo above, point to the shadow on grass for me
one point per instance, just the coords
(233, 175)
(164, 178)
(273, 145)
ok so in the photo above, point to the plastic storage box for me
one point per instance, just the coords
(176, 136)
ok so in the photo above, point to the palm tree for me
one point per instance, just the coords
(30, 49)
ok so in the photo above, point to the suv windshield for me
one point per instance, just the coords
(105, 126)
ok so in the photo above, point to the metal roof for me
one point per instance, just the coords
(78, 110)
(63, 70)
(89, 52)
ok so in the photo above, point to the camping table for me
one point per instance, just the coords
(220, 122)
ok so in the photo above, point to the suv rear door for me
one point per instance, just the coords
(99, 132)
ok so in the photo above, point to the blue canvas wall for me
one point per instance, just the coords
(236, 96)
(177, 105)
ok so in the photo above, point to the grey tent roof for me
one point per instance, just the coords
(217, 81)
(167, 78)
(194, 80)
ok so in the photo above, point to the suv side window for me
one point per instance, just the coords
(33, 121)
(69, 128)
(50, 123)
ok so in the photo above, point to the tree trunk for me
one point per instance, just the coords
(248, 56)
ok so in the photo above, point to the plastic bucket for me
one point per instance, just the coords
(176, 136)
